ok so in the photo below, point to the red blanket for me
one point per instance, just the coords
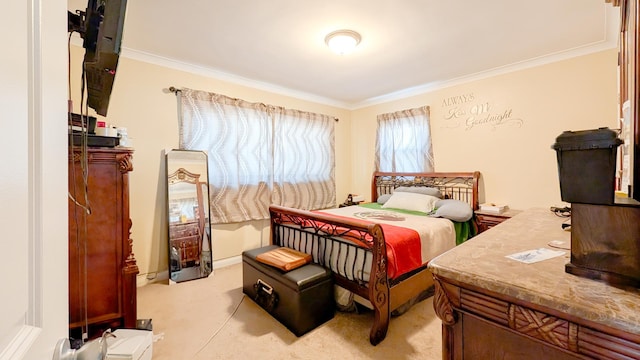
(403, 248)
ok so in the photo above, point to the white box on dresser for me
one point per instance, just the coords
(130, 344)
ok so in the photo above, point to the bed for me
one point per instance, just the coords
(356, 250)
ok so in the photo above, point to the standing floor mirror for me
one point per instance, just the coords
(188, 215)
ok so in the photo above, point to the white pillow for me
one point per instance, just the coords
(411, 201)
(420, 190)
(383, 198)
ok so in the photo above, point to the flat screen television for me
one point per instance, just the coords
(101, 27)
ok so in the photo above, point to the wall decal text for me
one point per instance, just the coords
(462, 110)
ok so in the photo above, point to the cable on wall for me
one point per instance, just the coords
(81, 225)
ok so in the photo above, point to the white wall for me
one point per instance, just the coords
(514, 155)
(515, 158)
(141, 102)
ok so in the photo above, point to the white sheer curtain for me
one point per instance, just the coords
(403, 141)
(304, 159)
(259, 154)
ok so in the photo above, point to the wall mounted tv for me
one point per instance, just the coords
(100, 26)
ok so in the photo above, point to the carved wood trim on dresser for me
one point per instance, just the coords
(100, 240)
(493, 307)
(455, 305)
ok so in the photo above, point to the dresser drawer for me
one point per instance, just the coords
(487, 220)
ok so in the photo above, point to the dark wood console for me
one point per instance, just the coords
(605, 242)
(102, 266)
(186, 238)
(493, 307)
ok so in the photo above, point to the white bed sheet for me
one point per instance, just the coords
(437, 235)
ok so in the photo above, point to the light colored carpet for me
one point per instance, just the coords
(211, 319)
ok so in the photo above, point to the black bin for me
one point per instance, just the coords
(587, 165)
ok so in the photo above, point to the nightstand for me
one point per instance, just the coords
(486, 219)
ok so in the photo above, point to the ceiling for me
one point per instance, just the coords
(407, 47)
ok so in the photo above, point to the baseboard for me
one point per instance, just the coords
(150, 278)
(163, 276)
(218, 264)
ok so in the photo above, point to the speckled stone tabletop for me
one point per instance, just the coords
(482, 262)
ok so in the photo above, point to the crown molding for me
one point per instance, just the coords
(609, 41)
(219, 75)
(522, 65)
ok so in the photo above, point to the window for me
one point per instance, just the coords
(259, 155)
(403, 141)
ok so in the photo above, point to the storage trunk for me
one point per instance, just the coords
(587, 165)
(301, 299)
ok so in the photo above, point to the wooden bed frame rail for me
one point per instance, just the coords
(308, 232)
(320, 234)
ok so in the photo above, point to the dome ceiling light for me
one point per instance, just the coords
(342, 41)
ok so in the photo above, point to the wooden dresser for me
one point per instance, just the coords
(493, 307)
(102, 266)
(186, 238)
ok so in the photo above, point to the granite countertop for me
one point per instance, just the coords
(482, 262)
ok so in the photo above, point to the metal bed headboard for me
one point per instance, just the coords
(452, 185)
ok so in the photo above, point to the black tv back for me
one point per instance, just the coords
(101, 27)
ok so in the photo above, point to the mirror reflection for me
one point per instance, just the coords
(188, 215)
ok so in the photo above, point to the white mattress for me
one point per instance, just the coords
(437, 235)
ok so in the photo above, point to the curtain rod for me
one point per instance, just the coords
(173, 89)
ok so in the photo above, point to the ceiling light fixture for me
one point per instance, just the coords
(342, 41)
